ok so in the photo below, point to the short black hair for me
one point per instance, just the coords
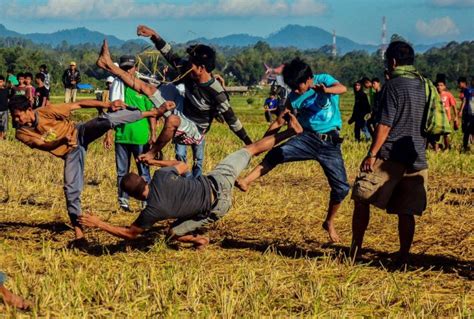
(20, 75)
(2, 78)
(401, 52)
(376, 80)
(19, 102)
(200, 54)
(462, 79)
(296, 72)
(364, 79)
(40, 76)
(440, 78)
(28, 75)
(43, 66)
(133, 184)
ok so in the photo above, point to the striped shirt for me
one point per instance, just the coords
(402, 104)
(203, 102)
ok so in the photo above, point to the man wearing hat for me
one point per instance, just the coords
(71, 77)
(132, 138)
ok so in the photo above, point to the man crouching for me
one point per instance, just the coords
(193, 202)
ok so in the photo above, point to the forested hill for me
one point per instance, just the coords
(300, 37)
(71, 36)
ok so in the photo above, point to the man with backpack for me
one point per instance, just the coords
(394, 173)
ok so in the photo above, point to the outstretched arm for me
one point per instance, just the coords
(165, 48)
(181, 167)
(85, 104)
(131, 232)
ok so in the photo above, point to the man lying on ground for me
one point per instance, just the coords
(315, 97)
(204, 98)
(193, 202)
(49, 128)
(10, 298)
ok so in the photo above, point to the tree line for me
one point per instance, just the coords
(240, 66)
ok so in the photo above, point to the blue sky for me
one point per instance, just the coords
(420, 21)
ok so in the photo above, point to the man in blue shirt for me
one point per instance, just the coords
(271, 107)
(315, 99)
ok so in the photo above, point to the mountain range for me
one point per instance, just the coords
(301, 37)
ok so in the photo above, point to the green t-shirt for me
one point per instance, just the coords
(137, 132)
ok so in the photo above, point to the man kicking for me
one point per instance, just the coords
(49, 128)
(193, 202)
(315, 98)
(203, 101)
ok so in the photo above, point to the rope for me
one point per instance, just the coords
(155, 66)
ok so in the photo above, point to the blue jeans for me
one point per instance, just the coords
(198, 157)
(123, 156)
(74, 161)
(361, 125)
(307, 146)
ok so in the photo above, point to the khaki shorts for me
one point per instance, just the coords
(393, 187)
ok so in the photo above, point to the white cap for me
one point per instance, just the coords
(110, 79)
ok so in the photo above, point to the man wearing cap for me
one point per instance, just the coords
(71, 77)
(132, 138)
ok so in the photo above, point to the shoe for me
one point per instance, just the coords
(125, 208)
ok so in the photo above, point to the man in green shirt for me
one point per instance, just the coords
(132, 138)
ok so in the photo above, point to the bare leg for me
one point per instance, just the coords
(446, 142)
(263, 145)
(13, 300)
(105, 62)
(328, 224)
(167, 133)
(199, 242)
(360, 221)
(406, 231)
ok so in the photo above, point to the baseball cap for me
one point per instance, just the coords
(72, 63)
(127, 61)
(110, 79)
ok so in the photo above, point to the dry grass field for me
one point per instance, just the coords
(269, 257)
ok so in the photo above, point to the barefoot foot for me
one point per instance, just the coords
(242, 185)
(13, 300)
(104, 61)
(199, 242)
(331, 230)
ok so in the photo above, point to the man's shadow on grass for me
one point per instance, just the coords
(53, 227)
(370, 258)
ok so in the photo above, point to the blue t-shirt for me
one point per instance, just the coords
(271, 103)
(318, 112)
(469, 97)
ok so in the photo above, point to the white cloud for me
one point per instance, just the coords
(453, 3)
(122, 9)
(437, 27)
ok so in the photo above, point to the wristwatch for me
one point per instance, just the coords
(370, 154)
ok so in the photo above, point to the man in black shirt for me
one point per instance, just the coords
(71, 78)
(193, 202)
(4, 94)
(41, 92)
(204, 100)
(395, 171)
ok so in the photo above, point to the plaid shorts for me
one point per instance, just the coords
(187, 133)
